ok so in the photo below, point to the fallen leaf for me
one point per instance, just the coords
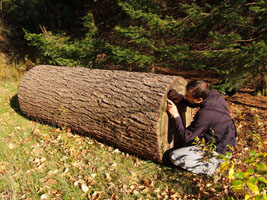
(84, 188)
(113, 197)
(157, 190)
(116, 151)
(146, 183)
(44, 196)
(135, 192)
(95, 196)
(108, 177)
(175, 196)
(76, 183)
(113, 166)
(56, 130)
(100, 169)
(56, 191)
(89, 180)
(50, 182)
(209, 184)
(93, 175)
(145, 190)
(11, 146)
(133, 174)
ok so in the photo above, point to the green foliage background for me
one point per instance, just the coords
(228, 37)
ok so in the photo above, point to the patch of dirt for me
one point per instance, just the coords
(249, 113)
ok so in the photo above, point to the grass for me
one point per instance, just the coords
(38, 161)
(8, 71)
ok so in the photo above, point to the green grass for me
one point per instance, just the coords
(8, 72)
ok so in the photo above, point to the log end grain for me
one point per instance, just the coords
(166, 127)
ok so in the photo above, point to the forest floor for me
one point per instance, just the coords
(38, 161)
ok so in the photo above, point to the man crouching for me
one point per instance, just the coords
(212, 122)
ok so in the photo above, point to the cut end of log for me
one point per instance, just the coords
(166, 128)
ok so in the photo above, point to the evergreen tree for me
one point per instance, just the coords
(228, 37)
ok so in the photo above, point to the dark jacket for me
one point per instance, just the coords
(212, 120)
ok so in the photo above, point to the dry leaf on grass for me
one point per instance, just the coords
(50, 182)
(84, 188)
(108, 177)
(95, 196)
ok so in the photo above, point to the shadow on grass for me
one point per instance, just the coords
(14, 104)
(248, 105)
(186, 183)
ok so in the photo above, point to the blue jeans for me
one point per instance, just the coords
(191, 159)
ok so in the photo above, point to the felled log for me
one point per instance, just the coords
(125, 109)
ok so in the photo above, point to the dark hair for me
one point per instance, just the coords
(199, 88)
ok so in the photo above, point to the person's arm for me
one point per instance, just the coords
(172, 109)
(197, 126)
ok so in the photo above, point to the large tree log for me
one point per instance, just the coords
(126, 109)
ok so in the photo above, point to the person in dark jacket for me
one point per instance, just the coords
(212, 122)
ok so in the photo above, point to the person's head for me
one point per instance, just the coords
(197, 91)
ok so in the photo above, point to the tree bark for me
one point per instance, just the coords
(261, 88)
(125, 109)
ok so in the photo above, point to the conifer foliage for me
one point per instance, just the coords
(228, 37)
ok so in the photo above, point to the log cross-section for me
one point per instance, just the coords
(125, 109)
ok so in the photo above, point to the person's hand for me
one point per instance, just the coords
(174, 96)
(172, 109)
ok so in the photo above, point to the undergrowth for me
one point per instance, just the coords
(8, 71)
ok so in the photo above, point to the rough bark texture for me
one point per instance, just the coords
(126, 109)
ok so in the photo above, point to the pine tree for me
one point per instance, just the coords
(228, 37)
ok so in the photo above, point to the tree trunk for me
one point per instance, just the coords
(261, 88)
(125, 109)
